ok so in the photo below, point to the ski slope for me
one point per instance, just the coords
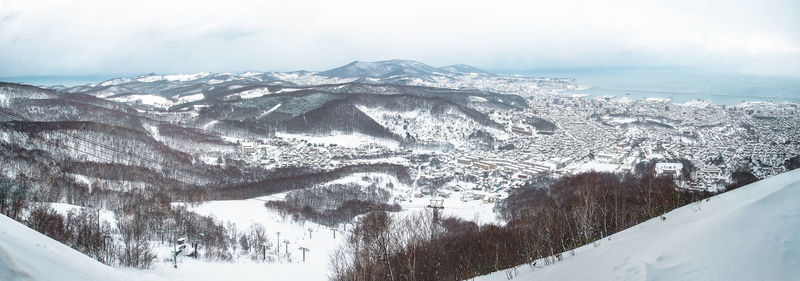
(28, 255)
(752, 233)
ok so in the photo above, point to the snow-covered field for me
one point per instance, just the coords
(592, 166)
(63, 209)
(173, 77)
(752, 233)
(28, 255)
(343, 140)
(269, 110)
(190, 98)
(152, 100)
(246, 212)
(254, 93)
(476, 211)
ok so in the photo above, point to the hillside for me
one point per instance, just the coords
(752, 233)
(379, 69)
(29, 255)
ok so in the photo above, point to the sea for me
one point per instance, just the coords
(68, 81)
(676, 84)
(680, 85)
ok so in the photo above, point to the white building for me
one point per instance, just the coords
(673, 169)
(608, 158)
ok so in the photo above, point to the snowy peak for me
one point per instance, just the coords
(391, 68)
(465, 70)
(380, 69)
(174, 77)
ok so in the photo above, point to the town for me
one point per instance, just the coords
(698, 143)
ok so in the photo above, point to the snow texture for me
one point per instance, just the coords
(28, 255)
(152, 100)
(752, 233)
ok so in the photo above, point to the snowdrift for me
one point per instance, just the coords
(752, 233)
(26, 254)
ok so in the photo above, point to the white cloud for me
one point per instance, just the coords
(96, 36)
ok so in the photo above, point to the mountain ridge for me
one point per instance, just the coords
(397, 67)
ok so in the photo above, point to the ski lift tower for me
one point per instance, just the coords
(436, 204)
(304, 249)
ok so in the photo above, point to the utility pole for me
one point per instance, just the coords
(106, 246)
(287, 246)
(174, 251)
(309, 232)
(304, 249)
(175, 259)
(161, 233)
(264, 252)
(278, 249)
(334, 233)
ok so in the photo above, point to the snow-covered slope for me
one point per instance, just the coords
(28, 255)
(465, 69)
(380, 69)
(752, 233)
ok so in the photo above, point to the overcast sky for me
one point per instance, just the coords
(90, 37)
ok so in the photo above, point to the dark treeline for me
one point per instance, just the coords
(297, 181)
(542, 223)
(541, 124)
(120, 172)
(483, 139)
(106, 134)
(792, 163)
(740, 177)
(334, 195)
(334, 204)
(193, 134)
(337, 116)
(332, 217)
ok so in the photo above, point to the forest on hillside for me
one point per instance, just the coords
(543, 223)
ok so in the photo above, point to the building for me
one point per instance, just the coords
(670, 169)
(608, 158)
(524, 130)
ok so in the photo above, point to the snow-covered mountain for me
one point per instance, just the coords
(465, 69)
(164, 91)
(752, 233)
(380, 69)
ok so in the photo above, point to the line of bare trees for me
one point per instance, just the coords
(336, 203)
(542, 223)
(280, 183)
(142, 218)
